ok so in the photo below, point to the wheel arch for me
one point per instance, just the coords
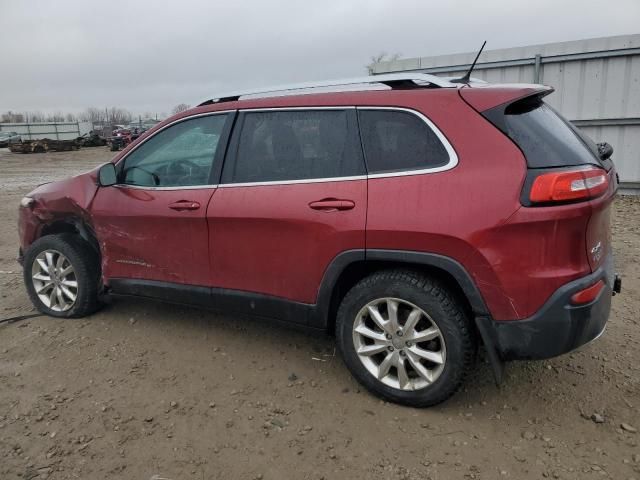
(351, 266)
(71, 224)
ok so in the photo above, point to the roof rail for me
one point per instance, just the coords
(393, 80)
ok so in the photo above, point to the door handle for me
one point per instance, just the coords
(332, 204)
(184, 205)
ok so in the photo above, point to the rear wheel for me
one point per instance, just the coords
(61, 273)
(405, 338)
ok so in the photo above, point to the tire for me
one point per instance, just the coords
(85, 272)
(445, 329)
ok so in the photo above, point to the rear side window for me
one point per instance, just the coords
(543, 135)
(395, 141)
(295, 145)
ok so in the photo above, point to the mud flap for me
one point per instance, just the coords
(497, 365)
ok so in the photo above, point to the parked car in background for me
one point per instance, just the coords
(120, 139)
(415, 222)
(9, 137)
(91, 139)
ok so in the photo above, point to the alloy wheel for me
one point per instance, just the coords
(399, 344)
(54, 280)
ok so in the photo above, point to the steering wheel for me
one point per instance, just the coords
(182, 170)
(154, 177)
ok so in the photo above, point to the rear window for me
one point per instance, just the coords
(399, 141)
(543, 135)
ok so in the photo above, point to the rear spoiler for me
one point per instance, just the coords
(482, 98)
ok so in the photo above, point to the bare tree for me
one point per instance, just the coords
(55, 117)
(118, 116)
(11, 117)
(93, 115)
(35, 117)
(381, 57)
(180, 108)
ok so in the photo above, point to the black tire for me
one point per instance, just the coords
(86, 265)
(445, 311)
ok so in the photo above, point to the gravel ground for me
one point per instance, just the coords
(143, 390)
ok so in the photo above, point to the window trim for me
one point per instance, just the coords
(452, 163)
(226, 133)
(233, 147)
(453, 156)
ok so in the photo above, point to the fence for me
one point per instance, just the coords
(52, 130)
(597, 84)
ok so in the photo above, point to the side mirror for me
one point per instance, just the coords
(605, 150)
(107, 175)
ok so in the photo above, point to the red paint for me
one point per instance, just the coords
(267, 239)
(483, 97)
(147, 238)
(57, 201)
(279, 239)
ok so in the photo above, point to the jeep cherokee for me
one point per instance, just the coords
(413, 216)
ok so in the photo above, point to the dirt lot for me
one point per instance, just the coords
(143, 390)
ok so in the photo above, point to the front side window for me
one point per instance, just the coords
(396, 141)
(181, 155)
(295, 145)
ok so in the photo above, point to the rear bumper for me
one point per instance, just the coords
(558, 327)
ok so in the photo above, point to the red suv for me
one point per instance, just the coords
(415, 221)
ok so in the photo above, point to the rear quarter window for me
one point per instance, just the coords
(396, 141)
(543, 135)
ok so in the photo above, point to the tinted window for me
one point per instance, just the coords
(295, 145)
(545, 138)
(181, 155)
(395, 141)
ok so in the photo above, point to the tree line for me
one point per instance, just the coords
(109, 115)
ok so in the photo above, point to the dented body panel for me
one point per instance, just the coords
(65, 201)
(141, 237)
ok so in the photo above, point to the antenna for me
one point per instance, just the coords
(467, 76)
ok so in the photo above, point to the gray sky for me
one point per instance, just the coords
(148, 56)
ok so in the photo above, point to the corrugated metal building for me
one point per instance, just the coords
(597, 84)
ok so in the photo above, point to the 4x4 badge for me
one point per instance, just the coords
(596, 251)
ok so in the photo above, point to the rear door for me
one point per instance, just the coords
(293, 195)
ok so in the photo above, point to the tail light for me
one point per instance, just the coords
(569, 185)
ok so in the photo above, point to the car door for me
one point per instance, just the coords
(152, 225)
(293, 196)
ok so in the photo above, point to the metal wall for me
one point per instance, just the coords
(597, 84)
(52, 130)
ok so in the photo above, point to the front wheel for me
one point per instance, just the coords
(61, 273)
(405, 338)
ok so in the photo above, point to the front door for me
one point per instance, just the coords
(293, 195)
(152, 225)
